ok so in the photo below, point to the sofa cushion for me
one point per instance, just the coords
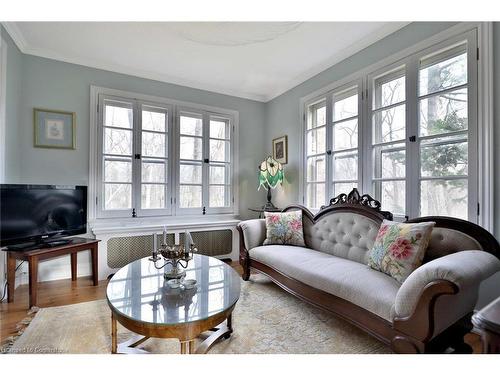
(344, 234)
(352, 281)
(400, 247)
(284, 228)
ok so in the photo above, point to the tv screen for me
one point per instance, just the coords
(35, 212)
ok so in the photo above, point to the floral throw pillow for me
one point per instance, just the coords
(399, 248)
(284, 228)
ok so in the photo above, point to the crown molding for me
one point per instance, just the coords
(340, 56)
(17, 36)
(164, 78)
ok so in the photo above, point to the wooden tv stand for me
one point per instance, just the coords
(34, 256)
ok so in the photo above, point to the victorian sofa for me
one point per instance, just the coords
(428, 313)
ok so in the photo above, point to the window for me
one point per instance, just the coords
(344, 136)
(389, 140)
(332, 145)
(154, 163)
(415, 150)
(134, 158)
(443, 133)
(316, 154)
(190, 161)
(154, 136)
(219, 182)
(204, 162)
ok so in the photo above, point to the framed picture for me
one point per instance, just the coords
(54, 129)
(280, 149)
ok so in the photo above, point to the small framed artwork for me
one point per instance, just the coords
(280, 149)
(54, 129)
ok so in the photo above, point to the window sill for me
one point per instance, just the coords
(145, 224)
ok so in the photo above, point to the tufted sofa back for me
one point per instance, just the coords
(343, 234)
(446, 241)
(351, 236)
(451, 235)
(348, 226)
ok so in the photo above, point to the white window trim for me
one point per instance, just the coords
(329, 96)
(205, 114)
(485, 120)
(136, 105)
(412, 176)
(170, 164)
(95, 156)
(3, 94)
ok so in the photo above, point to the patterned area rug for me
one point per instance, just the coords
(266, 319)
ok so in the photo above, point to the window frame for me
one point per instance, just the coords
(96, 162)
(169, 160)
(468, 33)
(192, 111)
(447, 47)
(136, 168)
(206, 115)
(328, 97)
(3, 107)
(389, 73)
(230, 181)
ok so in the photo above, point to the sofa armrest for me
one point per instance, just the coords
(465, 269)
(253, 232)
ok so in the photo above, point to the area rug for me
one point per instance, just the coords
(266, 319)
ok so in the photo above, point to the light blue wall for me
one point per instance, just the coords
(58, 85)
(12, 102)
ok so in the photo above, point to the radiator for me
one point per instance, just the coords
(123, 250)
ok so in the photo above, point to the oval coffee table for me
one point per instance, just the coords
(142, 302)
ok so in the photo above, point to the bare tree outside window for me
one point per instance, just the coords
(191, 159)
(117, 150)
(444, 121)
(389, 133)
(345, 141)
(154, 157)
(316, 154)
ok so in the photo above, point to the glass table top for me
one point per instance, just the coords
(139, 291)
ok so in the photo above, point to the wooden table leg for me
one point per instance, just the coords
(229, 323)
(191, 346)
(33, 279)
(114, 344)
(184, 345)
(11, 276)
(95, 275)
(74, 260)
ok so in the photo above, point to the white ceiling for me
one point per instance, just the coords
(253, 60)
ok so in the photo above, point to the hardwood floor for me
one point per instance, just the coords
(50, 293)
(67, 292)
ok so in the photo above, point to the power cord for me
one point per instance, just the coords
(6, 283)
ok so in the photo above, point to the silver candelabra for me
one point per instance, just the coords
(178, 256)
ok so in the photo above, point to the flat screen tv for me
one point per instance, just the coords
(37, 214)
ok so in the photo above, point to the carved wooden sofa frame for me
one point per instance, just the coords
(414, 333)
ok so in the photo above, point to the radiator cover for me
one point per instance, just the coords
(126, 249)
